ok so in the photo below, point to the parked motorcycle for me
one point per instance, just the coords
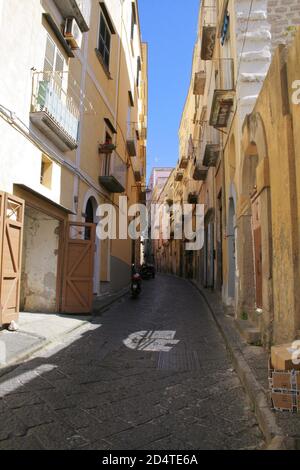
(136, 284)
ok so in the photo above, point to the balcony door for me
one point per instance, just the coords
(54, 63)
(107, 158)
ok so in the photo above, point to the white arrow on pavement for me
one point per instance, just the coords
(152, 341)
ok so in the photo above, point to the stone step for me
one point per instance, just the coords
(249, 331)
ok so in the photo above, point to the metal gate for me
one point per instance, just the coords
(77, 289)
(11, 237)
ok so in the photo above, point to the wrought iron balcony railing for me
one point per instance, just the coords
(114, 172)
(224, 92)
(54, 110)
(199, 82)
(137, 169)
(200, 172)
(210, 145)
(131, 139)
(179, 175)
(208, 29)
(184, 161)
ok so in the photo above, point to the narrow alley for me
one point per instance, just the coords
(151, 373)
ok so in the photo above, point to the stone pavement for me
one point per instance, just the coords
(36, 330)
(170, 386)
(252, 367)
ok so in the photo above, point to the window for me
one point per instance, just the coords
(225, 29)
(53, 62)
(138, 72)
(133, 21)
(107, 158)
(104, 41)
(46, 172)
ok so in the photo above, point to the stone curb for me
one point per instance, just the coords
(110, 300)
(275, 439)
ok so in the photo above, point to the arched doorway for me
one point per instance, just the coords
(231, 247)
(90, 215)
(230, 287)
(209, 249)
(254, 231)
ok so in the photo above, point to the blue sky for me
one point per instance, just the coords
(170, 28)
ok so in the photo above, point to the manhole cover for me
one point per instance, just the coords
(178, 360)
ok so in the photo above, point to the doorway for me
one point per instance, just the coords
(231, 241)
(91, 218)
(40, 262)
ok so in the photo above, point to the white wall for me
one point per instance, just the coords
(22, 47)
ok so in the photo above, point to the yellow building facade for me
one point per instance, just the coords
(73, 108)
(250, 251)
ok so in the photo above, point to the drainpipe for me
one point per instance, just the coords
(78, 151)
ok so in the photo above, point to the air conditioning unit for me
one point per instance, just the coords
(73, 33)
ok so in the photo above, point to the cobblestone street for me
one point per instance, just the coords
(171, 387)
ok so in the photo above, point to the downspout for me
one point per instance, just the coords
(78, 151)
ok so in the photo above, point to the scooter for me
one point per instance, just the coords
(136, 285)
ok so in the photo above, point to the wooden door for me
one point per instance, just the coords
(258, 266)
(77, 291)
(257, 249)
(11, 238)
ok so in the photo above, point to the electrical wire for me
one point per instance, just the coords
(16, 123)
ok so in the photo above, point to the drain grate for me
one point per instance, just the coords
(178, 360)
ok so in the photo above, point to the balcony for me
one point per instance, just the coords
(200, 172)
(131, 139)
(224, 93)
(143, 132)
(77, 9)
(209, 29)
(143, 152)
(169, 199)
(143, 196)
(54, 111)
(199, 83)
(211, 146)
(137, 169)
(179, 176)
(208, 42)
(114, 174)
(193, 198)
(183, 164)
(106, 148)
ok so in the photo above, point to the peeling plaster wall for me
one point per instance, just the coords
(281, 296)
(255, 34)
(39, 264)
